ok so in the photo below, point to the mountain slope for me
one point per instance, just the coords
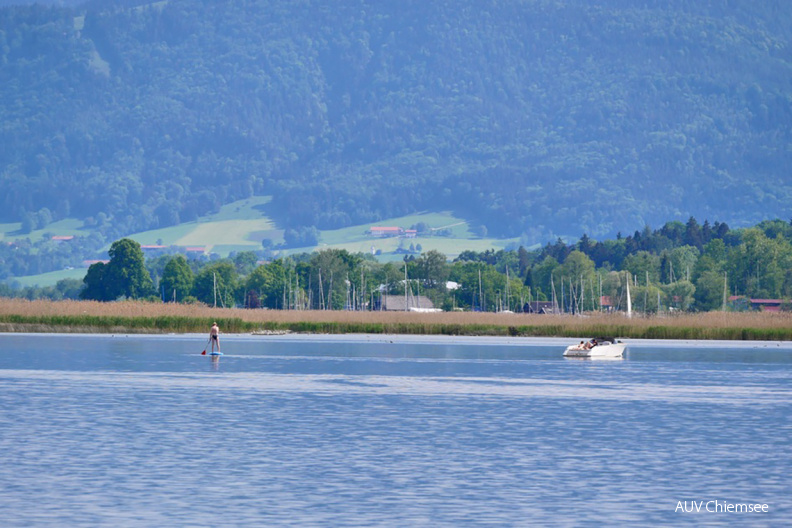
(535, 118)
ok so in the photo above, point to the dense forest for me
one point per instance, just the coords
(531, 118)
(682, 267)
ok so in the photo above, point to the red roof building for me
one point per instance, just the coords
(765, 305)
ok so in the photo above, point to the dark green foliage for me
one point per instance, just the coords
(125, 276)
(265, 285)
(301, 237)
(95, 286)
(64, 289)
(23, 257)
(710, 287)
(245, 262)
(533, 118)
(216, 284)
(177, 280)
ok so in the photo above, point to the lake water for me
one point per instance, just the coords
(389, 431)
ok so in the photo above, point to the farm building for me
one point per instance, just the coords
(383, 232)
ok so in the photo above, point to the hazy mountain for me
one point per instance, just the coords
(530, 117)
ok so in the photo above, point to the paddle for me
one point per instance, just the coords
(207, 346)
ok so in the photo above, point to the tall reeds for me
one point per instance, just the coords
(89, 316)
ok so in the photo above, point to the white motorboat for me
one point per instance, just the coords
(604, 347)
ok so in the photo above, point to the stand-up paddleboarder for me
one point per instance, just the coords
(214, 337)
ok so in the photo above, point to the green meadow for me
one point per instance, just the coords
(243, 225)
(457, 238)
(51, 278)
(67, 227)
(238, 226)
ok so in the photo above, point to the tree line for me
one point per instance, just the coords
(681, 266)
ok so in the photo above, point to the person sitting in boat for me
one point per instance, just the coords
(591, 344)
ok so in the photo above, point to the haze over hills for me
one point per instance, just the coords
(526, 118)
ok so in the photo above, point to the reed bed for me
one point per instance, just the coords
(134, 316)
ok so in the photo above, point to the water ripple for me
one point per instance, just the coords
(423, 386)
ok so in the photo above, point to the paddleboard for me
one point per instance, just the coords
(216, 354)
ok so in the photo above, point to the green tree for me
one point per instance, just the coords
(332, 268)
(678, 263)
(638, 264)
(266, 283)
(543, 275)
(577, 265)
(645, 298)
(69, 288)
(95, 287)
(757, 267)
(709, 291)
(126, 274)
(524, 261)
(431, 268)
(482, 287)
(245, 262)
(216, 284)
(177, 279)
(680, 294)
(29, 222)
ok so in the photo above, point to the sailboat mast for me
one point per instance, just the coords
(629, 300)
(321, 291)
(724, 290)
(600, 292)
(406, 299)
(481, 296)
(563, 307)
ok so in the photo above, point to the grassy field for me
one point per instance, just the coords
(243, 225)
(458, 227)
(238, 226)
(354, 239)
(84, 316)
(450, 247)
(51, 278)
(66, 227)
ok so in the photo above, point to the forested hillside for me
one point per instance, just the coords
(532, 118)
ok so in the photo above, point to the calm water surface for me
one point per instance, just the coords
(387, 431)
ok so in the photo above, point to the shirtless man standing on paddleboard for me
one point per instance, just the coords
(214, 336)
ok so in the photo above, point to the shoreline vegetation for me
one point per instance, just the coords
(18, 315)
